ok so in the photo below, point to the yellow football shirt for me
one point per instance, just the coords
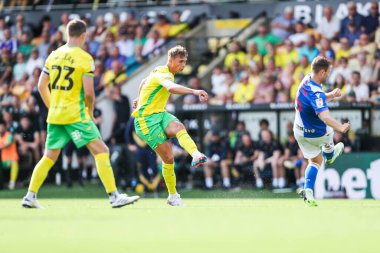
(66, 67)
(153, 96)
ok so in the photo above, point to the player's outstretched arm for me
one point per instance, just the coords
(182, 90)
(89, 94)
(326, 117)
(43, 88)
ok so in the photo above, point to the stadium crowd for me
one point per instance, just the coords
(267, 68)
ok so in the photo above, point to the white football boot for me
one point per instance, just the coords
(123, 200)
(175, 200)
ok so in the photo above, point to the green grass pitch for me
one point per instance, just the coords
(246, 222)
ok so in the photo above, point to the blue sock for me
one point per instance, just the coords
(310, 176)
(328, 156)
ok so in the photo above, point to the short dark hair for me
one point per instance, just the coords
(320, 63)
(76, 28)
(264, 122)
(355, 73)
(177, 51)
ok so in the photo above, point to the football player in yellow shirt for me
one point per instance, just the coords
(155, 126)
(68, 72)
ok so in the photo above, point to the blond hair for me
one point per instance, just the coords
(177, 51)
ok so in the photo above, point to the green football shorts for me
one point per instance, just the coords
(81, 133)
(152, 128)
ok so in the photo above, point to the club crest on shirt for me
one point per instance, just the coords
(319, 102)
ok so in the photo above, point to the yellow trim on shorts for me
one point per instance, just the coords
(144, 128)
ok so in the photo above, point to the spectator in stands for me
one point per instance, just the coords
(8, 154)
(10, 43)
(145, 24)
(326, 50)
(43, 46)
(286, 76)
(114, 26)
(19, 68)
(130, 23)
(353, 18)
(33, 62)
(6, 96)
(154, 45)
(162, 25)
(244, 91)
(115, 76)
(264, 37)
(363, 68)
(246, 153)
(217, 153)
(283, 26)
(286, 55)
(140, 37)
(109, 41)
(102, 54)
(3, 26)
(235, 136)
(264, 93)
(125, 43)
(115, 56)
(136, 60)
(352, 34)
(27, 138)
(236, 70)
(25, 46)
(360, 89)
(292, 159)
(100, 29)
(329, 25)
(5, 66)
(62, 27)
(269, 154)
(363, 46)
(300, 37)
(253, 56)
(344, 50)
(310, 50)
(340, 83)
(235, 54)
(19, 28)
(46, 25)
(177, 27)
(93, 45)
(371, 22)
(219, 86)
(339, 137)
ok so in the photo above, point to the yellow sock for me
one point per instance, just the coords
(169, 176)
(105, 172)
(186, 142)
(14, 171)
(39, 173)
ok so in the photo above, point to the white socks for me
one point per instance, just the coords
(31, 195)
(259, 183)
(173, 196)
(226, 182)
(196, 153)
(113, 195)
(209, 182)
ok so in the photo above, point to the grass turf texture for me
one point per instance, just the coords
(248, 223)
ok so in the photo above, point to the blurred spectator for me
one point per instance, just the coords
(310, 50)
(100, 29)
(109, 41)
(25, 46)
(140, 37)
(352, 33)
(235, 54)
(246, 153)
(371, 22)
(98, 77)
(93, 45)
(235, 136)
(102, 54)
(145, 24)
(353, 18)
(269, 154)
(131, 23)
(217, 153)
(115, 56)
(34, 62)
(360, 89)
(62, 27)
(363, 68)
(43, 46)
(115, 76)
(9, 156)
(286, 76)
(9, 43)
(253, 56)
(46, 25)
(114, 26)
(5, 66)
(27, 138)
(340, 83)
(11, 124)
(300, 37)
(162, 26)
(326, 50)
(218, 84)
(363, 46)
(154, 45)
(19, 28)
(286, 54)
(283, 26)
(344, 50)
(264, 93)
(136, 60)
(19, 68)
(339, 137)
(244, 91)
(329, 25)
(177, 27)
(3, 27)
(125, 43)
(263, 37)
